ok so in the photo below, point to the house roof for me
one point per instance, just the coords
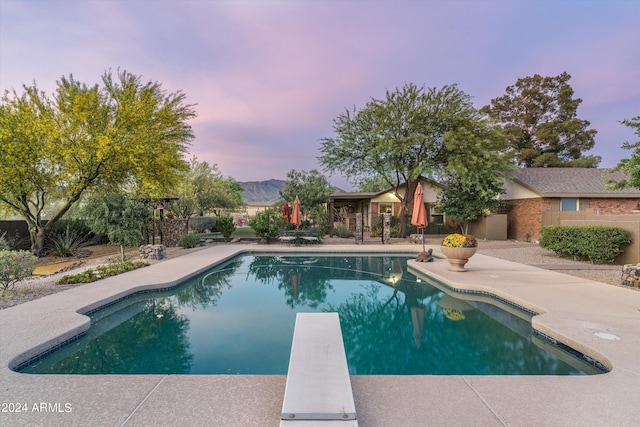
(342, 195)
(572, 182)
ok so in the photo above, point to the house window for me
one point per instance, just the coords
(568, 205)
(386, 208)
(437, 217)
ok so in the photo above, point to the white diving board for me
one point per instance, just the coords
(318, 390)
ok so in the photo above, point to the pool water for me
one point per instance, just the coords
(238, 318)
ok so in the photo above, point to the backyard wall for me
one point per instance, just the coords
(14, 227)
(630, 223)
(492, 227)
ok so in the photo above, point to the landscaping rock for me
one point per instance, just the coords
(153, 251)
(416, 238)
(631, 275)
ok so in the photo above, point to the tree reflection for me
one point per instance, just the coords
(408, 333)
(153, 341)
(205, 290)
(297, 277)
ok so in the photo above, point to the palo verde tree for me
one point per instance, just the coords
(202, 188)
(116, 134)
(400, 138)
(539, 118)
(630, 166)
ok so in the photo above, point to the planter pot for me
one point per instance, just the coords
(457, 257)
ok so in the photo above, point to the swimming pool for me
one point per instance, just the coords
(238, 318)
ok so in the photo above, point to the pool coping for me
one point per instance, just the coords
(573, 311)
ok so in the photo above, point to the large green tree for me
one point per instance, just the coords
(472, 184)
(312, 189)
(118, 217)
(539, 117)
(202, 188)
(412, 132)
(121, 133)
(631, 165)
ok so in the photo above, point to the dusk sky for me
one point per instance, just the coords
(269, 77)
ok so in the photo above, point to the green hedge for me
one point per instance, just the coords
(598, 243)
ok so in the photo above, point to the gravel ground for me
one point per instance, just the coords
(524, 253)
(40, 286)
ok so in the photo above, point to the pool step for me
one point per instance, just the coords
(318, 391)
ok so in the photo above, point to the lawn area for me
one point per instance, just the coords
(246, 232)
(240, 233)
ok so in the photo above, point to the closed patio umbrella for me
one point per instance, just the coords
(419, 217)
(295, 216)
(286, 211)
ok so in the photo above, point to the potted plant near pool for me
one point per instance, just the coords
(458, 248)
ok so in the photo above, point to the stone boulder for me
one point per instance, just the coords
(153, 251)
(631, 275)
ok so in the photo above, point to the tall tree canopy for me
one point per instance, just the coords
(119, 134)
(202, 188)
(311, 187)
(412, 132)
(472, 184)
(539, 117)
(630, 166)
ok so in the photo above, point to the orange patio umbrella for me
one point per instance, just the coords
(419, 217)
(295, 216)
(286, 211)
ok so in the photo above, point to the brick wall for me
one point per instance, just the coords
(525, 218)
(614, 206)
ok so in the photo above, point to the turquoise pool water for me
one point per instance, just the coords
(238, 318)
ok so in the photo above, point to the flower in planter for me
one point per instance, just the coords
(460, 241)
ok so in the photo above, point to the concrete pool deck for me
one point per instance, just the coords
(574, 311)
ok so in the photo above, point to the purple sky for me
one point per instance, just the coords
(269, 77)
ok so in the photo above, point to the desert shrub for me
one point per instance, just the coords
(266, 224)
(4, 242)
(190, 240)
(225, 226)
(201, 224)
(597, 243)
(101, 272)
(13, 243)
(343, 232)
(15, 266)
(68, 244)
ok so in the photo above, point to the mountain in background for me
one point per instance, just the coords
(262, 191)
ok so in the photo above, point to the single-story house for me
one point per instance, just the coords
(344, 205)
(536, 197)
(546, 196)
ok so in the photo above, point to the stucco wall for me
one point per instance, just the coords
(631, 224)
(492, 227)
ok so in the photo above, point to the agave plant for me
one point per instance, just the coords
(71, 243)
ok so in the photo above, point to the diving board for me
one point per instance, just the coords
(318, 390)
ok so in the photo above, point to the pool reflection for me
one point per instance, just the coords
(239, 317)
